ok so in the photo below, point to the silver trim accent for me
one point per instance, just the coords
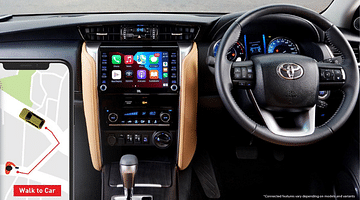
(291, 69)
(343, 74)
(78, 28)
(147, 185)
(305, 120)
(93, 50)
(139, 124)
(101, 34)
(354, 24)
(326, 96)
(213, 47)
(329, 51)
(135, 197)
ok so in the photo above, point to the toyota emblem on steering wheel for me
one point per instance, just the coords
(290, 71)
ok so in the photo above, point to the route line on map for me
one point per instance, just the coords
(45, 156)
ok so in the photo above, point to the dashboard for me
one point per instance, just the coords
(142, 82)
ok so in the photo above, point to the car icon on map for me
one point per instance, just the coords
(31, 118)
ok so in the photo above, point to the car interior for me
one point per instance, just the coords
(255, 104)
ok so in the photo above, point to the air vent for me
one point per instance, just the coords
(139, 32)
(101, 33)
(176, 33)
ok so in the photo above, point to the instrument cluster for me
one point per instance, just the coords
(250, 45)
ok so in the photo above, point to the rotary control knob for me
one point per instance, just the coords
(174, 87)
(165, 117)
(113, 117)
(162, 139)
(103, 87)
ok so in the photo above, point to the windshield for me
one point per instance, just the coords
(79, 6)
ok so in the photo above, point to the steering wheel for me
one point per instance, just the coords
(287, 84)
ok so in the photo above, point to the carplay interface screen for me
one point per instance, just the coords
(132, 69)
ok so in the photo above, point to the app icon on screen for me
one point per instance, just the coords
(116, 74)
(153, 59)
(154, 74)
(129, 59)
(116, 59)
(165, 75)
(141, 74)
(141, 59)
(129, 74)
(165, 69)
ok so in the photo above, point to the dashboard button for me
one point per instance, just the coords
(174, 87)
(103, 87)
(113, 117)
(137, 138)
(129, 139)
(145, 139)
(165, 117)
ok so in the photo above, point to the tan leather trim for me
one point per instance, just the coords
(91, 102)
(188, 108)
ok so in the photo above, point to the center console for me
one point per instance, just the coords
(138, 90)
(140, 100)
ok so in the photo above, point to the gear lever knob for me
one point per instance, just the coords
(128, 168)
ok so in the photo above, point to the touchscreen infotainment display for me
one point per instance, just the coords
(126, 69)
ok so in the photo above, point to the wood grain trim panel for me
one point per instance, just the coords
(91, 102)
(188, 108)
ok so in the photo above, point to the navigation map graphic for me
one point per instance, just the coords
(34, 133)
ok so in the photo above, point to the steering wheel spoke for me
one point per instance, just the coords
(243, 74)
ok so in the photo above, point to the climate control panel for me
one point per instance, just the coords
(140, 117)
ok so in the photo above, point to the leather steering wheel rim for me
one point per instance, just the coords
(350, 87)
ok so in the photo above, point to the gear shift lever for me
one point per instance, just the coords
(128, 168)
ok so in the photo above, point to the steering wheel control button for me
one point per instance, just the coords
(243, 76)
(113, 117)
(162, 139)
(331, 75)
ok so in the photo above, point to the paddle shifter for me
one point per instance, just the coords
(128, 168)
